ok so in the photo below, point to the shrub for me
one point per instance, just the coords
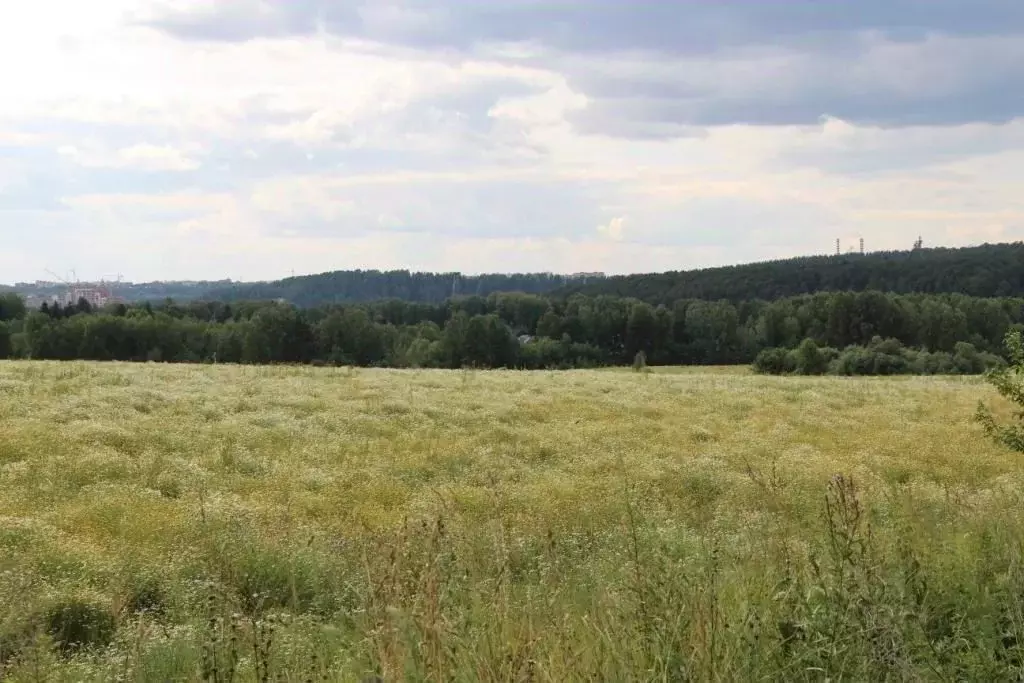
(854, 360)
(809, 359)
(772, 362)
(888, 347)
(77, 624)
(1009, 382)
(264, 578)
(640, 362)
(146, 596)
(15, 636)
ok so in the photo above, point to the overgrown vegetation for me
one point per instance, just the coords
(266, 523)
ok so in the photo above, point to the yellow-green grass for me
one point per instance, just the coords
(461, 525)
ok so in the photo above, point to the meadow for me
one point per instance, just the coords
(185, 522)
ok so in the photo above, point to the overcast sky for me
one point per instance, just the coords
(175, 139)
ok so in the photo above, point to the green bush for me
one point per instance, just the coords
(146, 596)
(267, 578)
(879, 357)
(773, 362)
(809, 359)
(77, 624)
(640, 362)
(1009, 382)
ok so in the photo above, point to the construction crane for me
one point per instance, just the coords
(68, 294)
(59, 278)
(95, 295)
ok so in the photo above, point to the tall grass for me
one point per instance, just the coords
(249, 524)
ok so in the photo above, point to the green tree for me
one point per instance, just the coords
(12, 307)
(453, 340)
(348, 337)
(549, 325)
(278, 334)
(83, 306)
(5, 341)
(489, 343)
(712, 330)
(641, 329)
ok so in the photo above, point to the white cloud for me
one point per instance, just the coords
(141, 157)
(156, 158)
(124, 148)
(613, 230)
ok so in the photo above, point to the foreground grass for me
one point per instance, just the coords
(184, 522)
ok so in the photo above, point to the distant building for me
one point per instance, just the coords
(525, 339)
(96, 296)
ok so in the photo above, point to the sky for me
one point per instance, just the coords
(253, 139)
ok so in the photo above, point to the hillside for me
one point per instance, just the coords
(989, 270)
(351, 286)
(128, 291)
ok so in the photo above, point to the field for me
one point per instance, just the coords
(166, 522)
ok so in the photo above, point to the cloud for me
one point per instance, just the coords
(142, 157)
(247, 138)
(613, 230)
(683, 26)
(655, 70)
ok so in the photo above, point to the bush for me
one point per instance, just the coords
(773, 362)
(78, 624)
(146, 596)
(271, 578)
(879, 357)
(15, 637)
(809, 359)
(1009, 382)
(640, 362)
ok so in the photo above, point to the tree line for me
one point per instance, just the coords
(348, 286)
(990, 270)
(984, 271)
(504, 330)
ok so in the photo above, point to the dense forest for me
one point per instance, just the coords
(990, 270)
(508, 330)
(349, 286)
(984, 271)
